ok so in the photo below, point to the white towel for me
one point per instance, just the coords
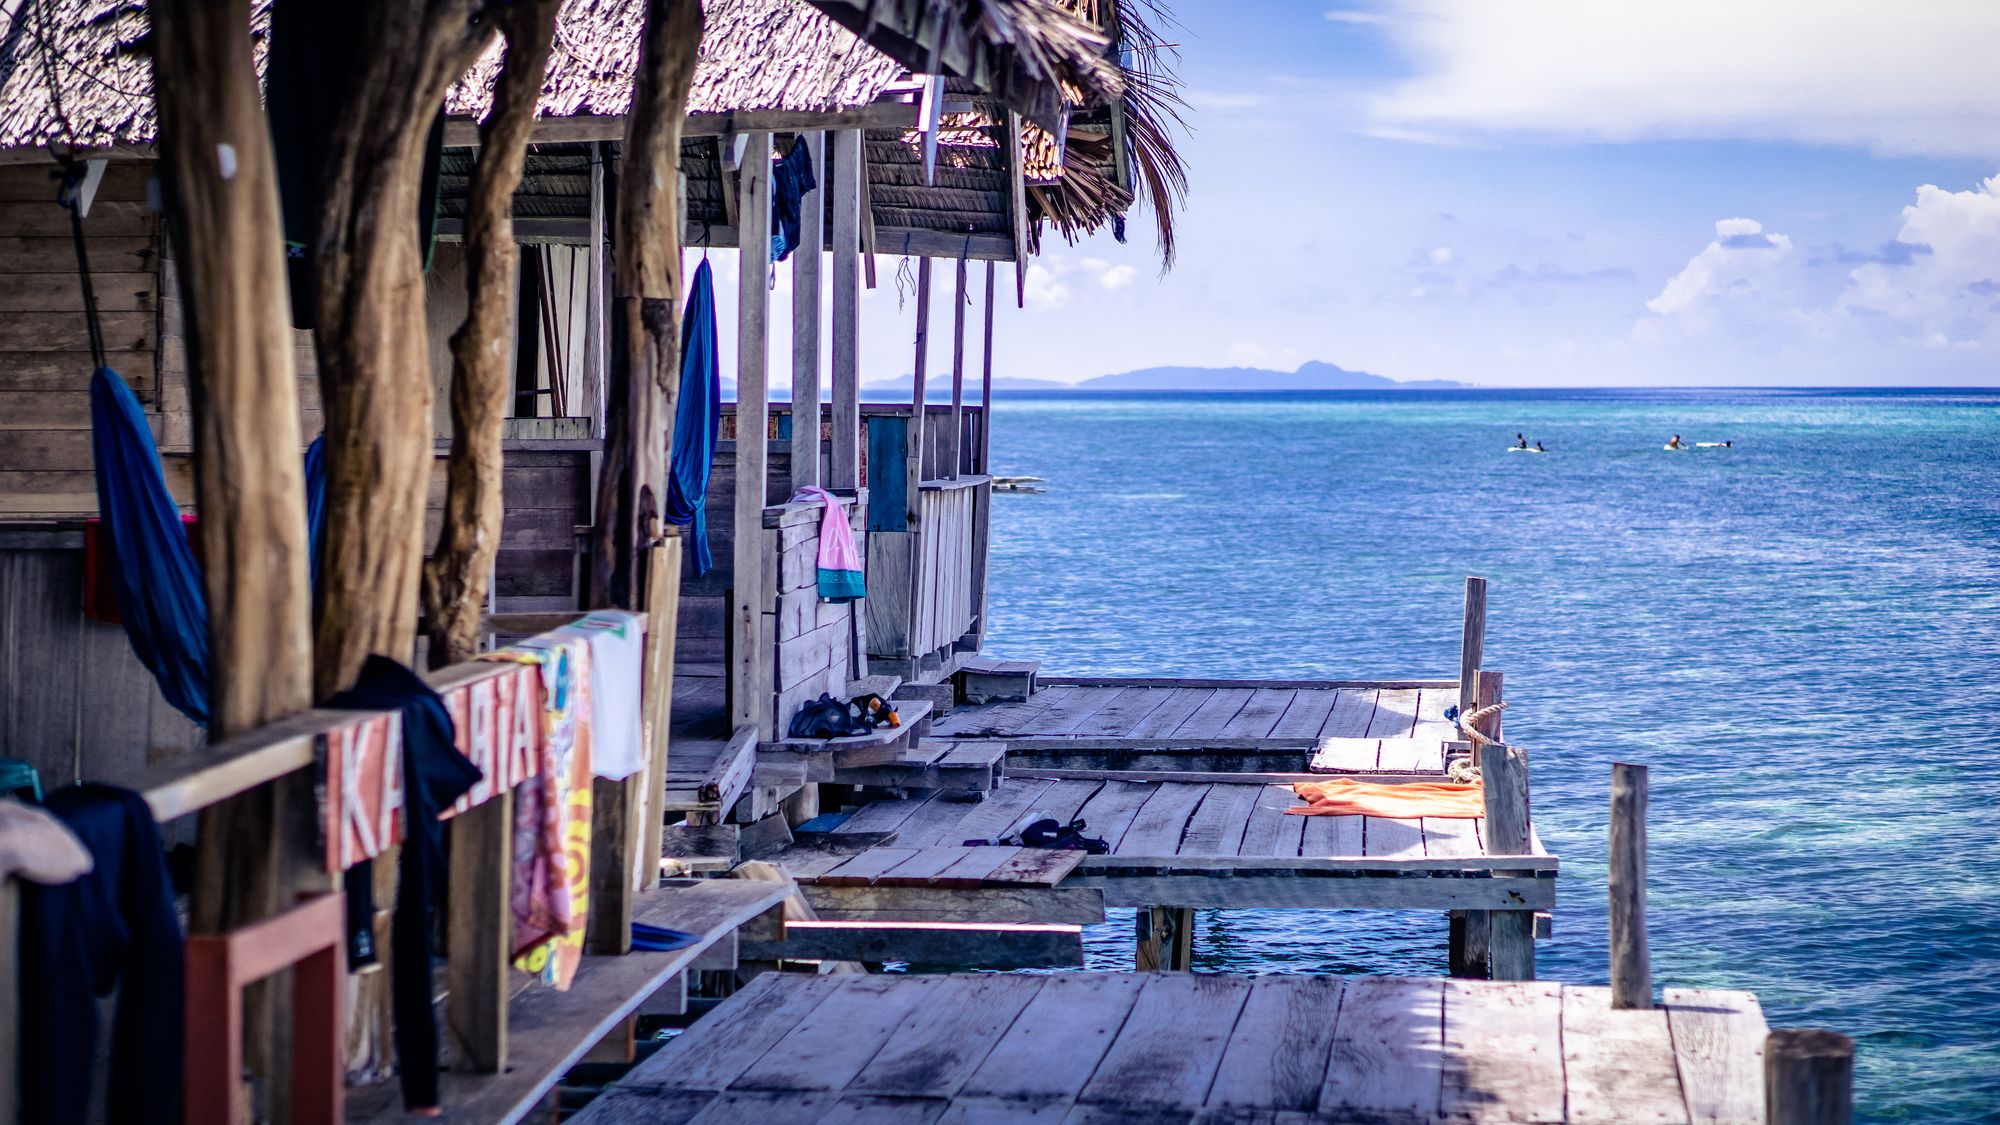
(617, 661)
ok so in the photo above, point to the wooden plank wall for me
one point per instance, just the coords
(942, 606)
(813, 640)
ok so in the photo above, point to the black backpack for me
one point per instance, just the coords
(827, 717)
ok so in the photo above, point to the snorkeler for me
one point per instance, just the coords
(1520, 441)
(1538, 448)
(1675, 443)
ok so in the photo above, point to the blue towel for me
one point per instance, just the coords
(658, 939)
(154, 573)
(791, 181)
(697, 418)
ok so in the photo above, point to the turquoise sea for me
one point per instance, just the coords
(1800, 634)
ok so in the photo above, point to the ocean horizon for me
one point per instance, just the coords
(1796, 633)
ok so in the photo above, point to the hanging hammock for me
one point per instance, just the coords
(698, 419)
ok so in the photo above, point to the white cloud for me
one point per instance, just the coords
(1044, 287)
(1222, 99)
(1441, 256)
(1350, 15)
(1949, 292)
(1895, 78)
(1729, 267)
(1117, 277)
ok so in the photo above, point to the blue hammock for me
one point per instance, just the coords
(153, 569)
(698, 418)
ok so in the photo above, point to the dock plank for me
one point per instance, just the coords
(941, 1042)
(1117, 718)
(992, 720)
(1306, 715)
(1447, 836)
(1044, 867)
(1388, 1050)
(1345, 755)
(1503, 1052)
(1260, 714)
(990, 819)
(1381, 836)
(1271, 830)
(1718, 1039)
(1352, 711)
(1168, 716)
(1215, 713)
(1064, 798)
(1331, 836)
(1171, 1045)
(719, 1049)
(1411, 755)
(1277, 1054)
(940, 822)
(977, 866)
(1108, 814)
(1432, 703)
(882, 816)
(1076, 705)
(1217, 826)
(1162, 820)
(1059, 1038)
(866, 868)
(830, 1050)
(1619, 1063)
(1395, 713)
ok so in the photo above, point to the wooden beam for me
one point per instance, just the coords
(806, 266)
(930, 116)
(1504, 773)
(966, 945)
(1018, 181)
(663, 600)
(583, 128)
(749, 695)
(986, 392)
(915, 438)
(480, 929)
(846, 173)
(1808, 1078)
(1631, 962)
(954, 452)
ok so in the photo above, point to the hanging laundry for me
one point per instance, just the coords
(35, 846)
(791, 181)
(617, 642)
(697, 417)
(840, 576)
(1398, 800)
(112, 929)
(435, 774)
(551, 887)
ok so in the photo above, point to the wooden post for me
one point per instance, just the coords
(253, 853)
(1808, 1078)
(1470, 942)
(806, 266)
(846, 188)
(986, 394)
(1472, 646)
(1631, 963)
(459, 571)
(750, 703)
(916, 439)
(10, 1001)
(645, 380)
(1165, 939)
(1504, 771)
(480, 929)
(954, 452)
(663, 602)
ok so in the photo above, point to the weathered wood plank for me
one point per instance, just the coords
(1306, 715)
(1285, 890)
(1117, 718)
(1260, 713)
(867, 868)
(1411, 755)
(1503, 1051)
(1382, 836)
(1346, 755)
(1109, 813)
(1395, 713)
(1169, 715)
(1217, 826)
(1448, 837)
(1277, 1054)
(1059, 1038)
(1351, 714)
(1618, 1062)
(1063, 714)
(882, 816)
(1387, 1057)
(1719, 1049)
(1171, 1045)
(1215, 713)
(939, 1045)
(1161, 821)
(1331, 836)
(829, 1050)
(1035, 867)
(1271, 830)
(991, 818)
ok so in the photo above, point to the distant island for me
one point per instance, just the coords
(1310, 376)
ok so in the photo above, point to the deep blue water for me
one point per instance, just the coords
(1798, 634)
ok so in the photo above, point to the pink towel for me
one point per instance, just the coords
(840, 575)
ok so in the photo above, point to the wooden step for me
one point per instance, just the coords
(982, 679)
(884, 686)
(940, 696)
(822, 756)
(960, 766)
(688, 849)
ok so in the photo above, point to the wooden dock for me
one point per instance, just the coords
(1094, 1048)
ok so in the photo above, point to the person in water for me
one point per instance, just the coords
(1675, 443)
(1538, 448)
(1520, 441)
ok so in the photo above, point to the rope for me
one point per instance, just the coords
(1466, 720)
(70, 196)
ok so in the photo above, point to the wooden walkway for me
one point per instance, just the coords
(1173, 843)
(1100, 1048)
(1214, 714)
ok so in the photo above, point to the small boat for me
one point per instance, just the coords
(1019, 484)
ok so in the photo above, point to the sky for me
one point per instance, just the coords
(1542, 193)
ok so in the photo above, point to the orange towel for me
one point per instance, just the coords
(1403, 800)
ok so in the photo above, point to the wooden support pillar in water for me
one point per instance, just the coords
(1504, 771)
(1165, 939)
(1808, 1078)
(750, 702)
(845, 454)
(1631, 963)
(1471, 931)
(917, 439)
(806, 265)
(986, 393)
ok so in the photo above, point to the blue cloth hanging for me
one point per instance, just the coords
(154, 572)
(698, 417)
(791, 181)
